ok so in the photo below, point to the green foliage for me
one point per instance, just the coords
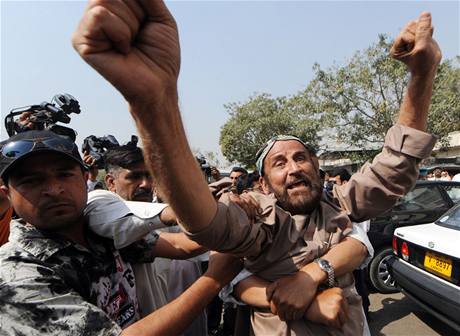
(361, 99)
(352, 104)
(254, 122)
(445, 104)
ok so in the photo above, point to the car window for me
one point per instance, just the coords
(453, 192)
(451, 218)
(421, 198)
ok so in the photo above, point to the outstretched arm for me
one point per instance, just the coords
(177, 246)
(135, 46)
(393, 172)
(177, 315)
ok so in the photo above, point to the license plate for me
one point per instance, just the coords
(439, 264)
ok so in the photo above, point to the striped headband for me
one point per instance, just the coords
(263, 151)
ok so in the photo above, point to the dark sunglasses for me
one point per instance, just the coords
(16, 149)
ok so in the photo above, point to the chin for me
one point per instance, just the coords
(302, 203)
(59, 222)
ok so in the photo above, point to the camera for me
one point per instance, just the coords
(205, 167)
(44, 116)
(97, 146)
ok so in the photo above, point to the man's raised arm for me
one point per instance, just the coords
(134, 44)
(415, 47)
(393, 172)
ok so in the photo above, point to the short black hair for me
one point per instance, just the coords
(239, 170)
(343, 173)
(123, 157)
(245, 181)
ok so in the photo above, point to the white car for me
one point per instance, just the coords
(427, 265)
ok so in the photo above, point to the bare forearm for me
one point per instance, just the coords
(415, 47)
(324, 307)
(176, 316)
(177, 246)
(416, 103)
(344, 258)
(252, 291)
(173, 166)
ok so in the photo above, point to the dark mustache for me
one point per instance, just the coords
(142, 192)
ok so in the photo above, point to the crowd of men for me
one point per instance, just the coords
(284, 249)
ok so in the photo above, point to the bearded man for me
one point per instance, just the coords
(134, 45)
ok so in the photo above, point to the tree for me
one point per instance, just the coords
(351, 105)
(361, 99)
(445, 105)
(254, 122)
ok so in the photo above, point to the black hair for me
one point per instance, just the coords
(239, 170)
(343, 173)
(123, 157)
(245, 181)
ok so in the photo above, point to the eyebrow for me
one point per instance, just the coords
(281, 155)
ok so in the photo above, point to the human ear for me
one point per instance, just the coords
(265, 186)
(109, 180)
(5, 191)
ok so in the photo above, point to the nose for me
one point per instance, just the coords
(293, 167)
(52, 188)
(146, 183)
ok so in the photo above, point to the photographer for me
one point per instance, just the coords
(44, 116)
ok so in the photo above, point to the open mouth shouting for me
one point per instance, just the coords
(298, 184)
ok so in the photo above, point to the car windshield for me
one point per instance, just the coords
(451, 218)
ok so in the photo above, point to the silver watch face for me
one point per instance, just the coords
(324, 264)
(326, 267)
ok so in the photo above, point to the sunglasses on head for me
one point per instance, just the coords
(16, 149)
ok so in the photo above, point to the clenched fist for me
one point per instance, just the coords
(416, 47)
(134, 44)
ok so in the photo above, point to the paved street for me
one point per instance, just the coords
(396, 315)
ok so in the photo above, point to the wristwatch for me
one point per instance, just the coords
(327, 267)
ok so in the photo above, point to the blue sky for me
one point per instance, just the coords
(230, 50)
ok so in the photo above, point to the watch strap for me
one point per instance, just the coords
(327, 267)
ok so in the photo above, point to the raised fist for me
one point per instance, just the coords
(416, 47)
(132, 43)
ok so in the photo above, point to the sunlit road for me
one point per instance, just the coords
(396, 315)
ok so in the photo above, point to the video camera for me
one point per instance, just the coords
(97, 146)
(44, 116)
(205, 167)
